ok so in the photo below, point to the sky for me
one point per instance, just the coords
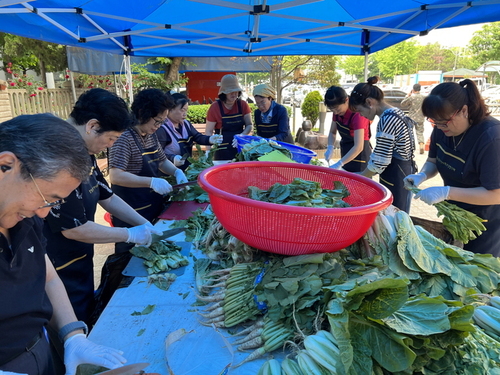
(450, 37)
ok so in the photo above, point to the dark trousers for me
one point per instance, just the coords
(36, 361)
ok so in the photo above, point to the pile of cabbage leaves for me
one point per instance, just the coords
(405, 301)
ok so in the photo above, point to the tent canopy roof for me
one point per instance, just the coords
(197, 28)
(462, 72)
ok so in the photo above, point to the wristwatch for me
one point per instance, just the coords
(73, 326)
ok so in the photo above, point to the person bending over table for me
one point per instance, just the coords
(465, 151)
(100, 117)
(43, 160)
(354, 130)
(137, 160)
(392, 157)
(177, 135)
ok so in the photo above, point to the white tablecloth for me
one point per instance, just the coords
(201, 351)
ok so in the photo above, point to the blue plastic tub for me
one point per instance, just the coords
(299, 154)
(244, 139)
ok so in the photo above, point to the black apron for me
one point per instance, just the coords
(269, 130)
(231, 125)
(145, 201)
(392, 177)
(73, 260)
(450, 164)
(347, 142)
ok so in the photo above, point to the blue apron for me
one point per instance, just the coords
(347, 142)
(145, 201)
(450, 164)
(231, 125)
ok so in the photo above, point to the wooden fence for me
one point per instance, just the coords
(56, 101)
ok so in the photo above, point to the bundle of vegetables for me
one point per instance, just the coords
(233, 302)
(161, 256)
(399, 303)
(462, 224)
(255, 149)
(196, 226)
(302, 193)
(222, 246)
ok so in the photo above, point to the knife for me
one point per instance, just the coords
(126, 370)
(180, 186)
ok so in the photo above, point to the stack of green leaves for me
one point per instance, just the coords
(462, 224)
(302, 193)
(160, 256)
(255, 149)
(200, 162)
(197, 226)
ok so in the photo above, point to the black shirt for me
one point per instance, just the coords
(25, 305)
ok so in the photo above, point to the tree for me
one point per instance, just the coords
(26, 54)
(485, 44)
(323, 71)
(397, 59)
(354, 66)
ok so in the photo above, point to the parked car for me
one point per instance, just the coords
(395, 97)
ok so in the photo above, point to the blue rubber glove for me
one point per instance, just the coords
(414, 180)
(180, 177)
(328, 153)
(337, 165)
(434, 194)
(78, 350)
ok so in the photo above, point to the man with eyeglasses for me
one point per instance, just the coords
(42, 160)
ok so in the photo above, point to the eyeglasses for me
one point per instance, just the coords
(158, 122)
(443, 124)
(47, 204)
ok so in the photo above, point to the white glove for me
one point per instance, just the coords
(10, 373)
(78, 350)
(180, 177)
(414, 180)
(215, 139)
(141, 234)
(328, 153)
(178, 162)
(160, 185)
(337, 165)
(433, 195)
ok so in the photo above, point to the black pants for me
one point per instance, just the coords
(36, 361)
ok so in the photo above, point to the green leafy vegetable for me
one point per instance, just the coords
(302, 193)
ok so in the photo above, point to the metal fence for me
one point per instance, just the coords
(56, 101)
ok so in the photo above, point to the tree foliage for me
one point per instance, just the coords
(310, 107)
(31, 54)
(353, 66)
(397, 59)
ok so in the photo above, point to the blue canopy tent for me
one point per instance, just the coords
(236, 28)
(197, 28)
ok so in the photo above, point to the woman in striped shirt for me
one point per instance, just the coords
(392, 157)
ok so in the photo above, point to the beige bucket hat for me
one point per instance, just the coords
(229, 83)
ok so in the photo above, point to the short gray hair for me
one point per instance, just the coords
(45, 145)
